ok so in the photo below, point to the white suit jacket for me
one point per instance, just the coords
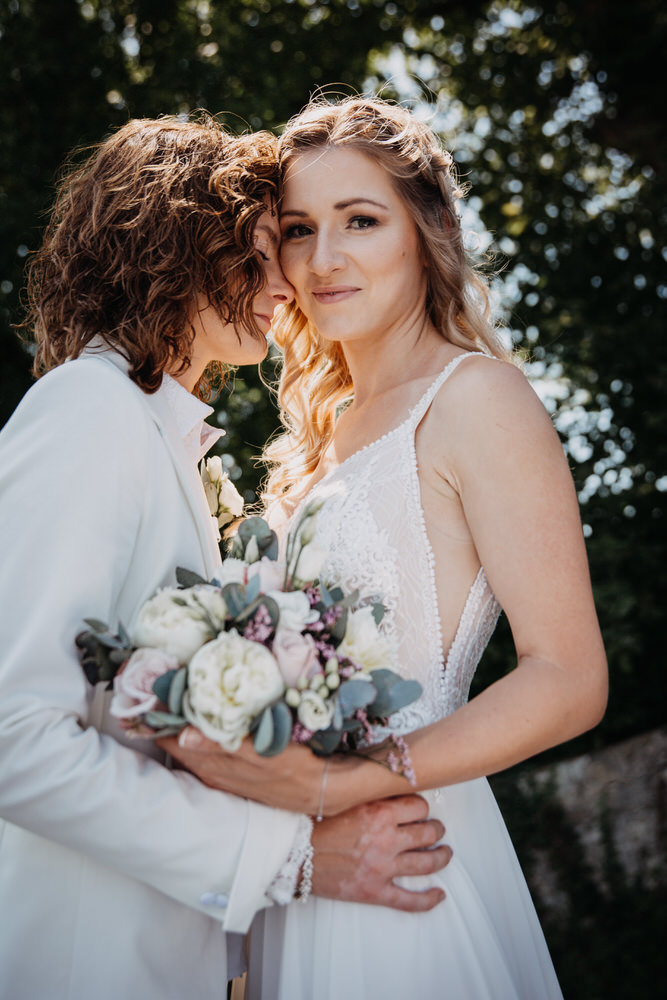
(116, 874)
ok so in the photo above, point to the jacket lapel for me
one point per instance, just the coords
(187, 472)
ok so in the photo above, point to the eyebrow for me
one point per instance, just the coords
(341, 205)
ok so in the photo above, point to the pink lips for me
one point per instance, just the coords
(333, 294)
(267, 319)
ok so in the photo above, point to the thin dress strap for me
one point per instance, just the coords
(420, 408)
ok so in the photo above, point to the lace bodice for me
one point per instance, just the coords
(373, 528)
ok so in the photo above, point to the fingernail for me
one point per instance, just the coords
(190, 738)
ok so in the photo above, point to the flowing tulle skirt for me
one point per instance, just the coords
(484, 942)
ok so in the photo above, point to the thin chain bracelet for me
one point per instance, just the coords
(320, 809)
(305, 886)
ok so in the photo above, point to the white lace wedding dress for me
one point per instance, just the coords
(484, 942)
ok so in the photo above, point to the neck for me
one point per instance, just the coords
(399, 355)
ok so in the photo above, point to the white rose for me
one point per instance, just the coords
(214, 468)
(363, 643)
(309, 564)
(295, 654)
(295, 609)
(230, 681)
(133, 687)
(166, 623)
(314, 712)
(232, 571)
(229, 497)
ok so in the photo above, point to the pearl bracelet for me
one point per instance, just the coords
(305, 886)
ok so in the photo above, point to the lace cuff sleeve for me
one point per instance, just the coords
(283, 886)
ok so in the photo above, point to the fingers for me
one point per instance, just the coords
(424, 862)
(406, 808)
(414, 836)
(412, 902)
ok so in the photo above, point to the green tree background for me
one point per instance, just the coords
(554, 113)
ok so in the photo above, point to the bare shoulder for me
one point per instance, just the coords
(492, 398)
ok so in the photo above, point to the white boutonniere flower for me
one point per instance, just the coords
(224, 500)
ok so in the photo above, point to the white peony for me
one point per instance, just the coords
(230, 681)
(363, 643)
(314, 712)
(174, 624)
(295, 609)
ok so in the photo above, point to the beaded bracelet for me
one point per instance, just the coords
(305, 886)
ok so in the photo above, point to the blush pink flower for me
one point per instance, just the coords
(133, 687)
(296, 655)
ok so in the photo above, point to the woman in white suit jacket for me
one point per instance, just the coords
(118, 875)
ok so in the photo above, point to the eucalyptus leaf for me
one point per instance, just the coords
(282, 729)
(156, 720)
(325, 742)
(353, 695)
(252, 588)
(264, 734)
(162, 686)
(234, 597)
(177, 690)
(378, 612)
(119, 656)
(327, 599)
(188, 578)
(100, 627)
(338, 631)
(394, 695)
(346, 601)
(257, 528)
(169, 730)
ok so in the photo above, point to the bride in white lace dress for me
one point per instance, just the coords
(447, 495)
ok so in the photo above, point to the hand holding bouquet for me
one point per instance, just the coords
(267, 649)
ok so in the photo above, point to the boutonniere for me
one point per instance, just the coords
(224, 500)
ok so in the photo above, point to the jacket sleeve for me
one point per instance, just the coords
(73, 463)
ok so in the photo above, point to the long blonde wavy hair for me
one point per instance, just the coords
(315, 380)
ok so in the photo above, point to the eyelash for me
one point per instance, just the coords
(292, 232)
(263, 255)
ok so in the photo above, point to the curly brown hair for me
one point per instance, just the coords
(161, 211)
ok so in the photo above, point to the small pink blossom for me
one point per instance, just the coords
(296, 655)
(133, 693)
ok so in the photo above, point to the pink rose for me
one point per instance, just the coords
(133, 693)
(271, 574)
(296, 655)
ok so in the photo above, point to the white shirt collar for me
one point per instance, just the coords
(189, 414)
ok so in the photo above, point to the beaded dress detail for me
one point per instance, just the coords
(373, 529)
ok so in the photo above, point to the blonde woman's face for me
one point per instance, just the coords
(349, 246)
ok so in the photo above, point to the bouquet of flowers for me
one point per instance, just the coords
(267, 649)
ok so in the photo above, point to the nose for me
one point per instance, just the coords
(325, 257)
(278, 286)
